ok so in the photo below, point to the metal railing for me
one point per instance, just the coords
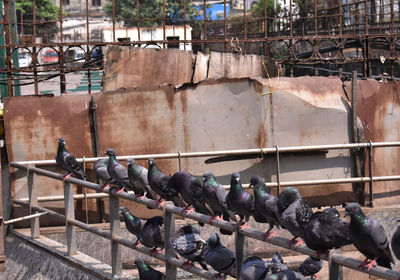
(169, 211)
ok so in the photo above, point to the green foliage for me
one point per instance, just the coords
(259, 9)
(151, 12)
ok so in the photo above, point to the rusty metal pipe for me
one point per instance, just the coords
(25, 218)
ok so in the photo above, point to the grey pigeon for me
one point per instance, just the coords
(68, 162)
(146, 272)
(294, 213)
(100, 170)
(276, 264)
(369, 238)
(325, 230)
(191, 191)
(137, 175)
(285, 275)
(253, 268)
(158, 182)
(240, 201)
(117, 171)
(310, 267)
(133, 224)
(396, 242)
(189, 245)
(152, 234)
(266, 204)
(219, 257)
(215, 197)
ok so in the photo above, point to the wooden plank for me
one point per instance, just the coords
(201, 67)
(115, 229)
(70, 213)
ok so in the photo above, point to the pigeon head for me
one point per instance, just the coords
(208, 175)
(151, 162)
(130, 160)
(123, 210)
(287, 197)
(110, 152)
(189, 229)
(353, 209)
(235, 178)
(61, 142)
(332, 211)
(213, 241)
(256, 180)
(140, 262)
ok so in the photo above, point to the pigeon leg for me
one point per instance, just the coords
(187, 210)
(211, 219)
(301, 241)
(137, 243)
(188, 264)
(291, 241)
(154, 251)
(219, 218)
(106, 187)
(67, 176)
(161, 202)
(273, 234)
(265, 234)
(143, 196)
(371, 264)
(363, 264)
(121, 190)
(245, 225)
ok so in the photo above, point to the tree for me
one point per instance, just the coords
(45, 11)
(151, 12)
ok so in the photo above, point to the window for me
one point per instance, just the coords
(65, 2)
(96, 3)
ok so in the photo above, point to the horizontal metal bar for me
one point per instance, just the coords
(128, 243)
(25, 218)
(61, 197)
(231, 152)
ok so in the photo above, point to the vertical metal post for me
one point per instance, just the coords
(266, 51)
(33, 200)
(340, 18)
(163, 24)
(225, 27)
(169, 231)
(278, 169)
(245, 25)
(88, 54)
(138, 18)
(291, 19)
(371, 190)
(239, 250)
(115, 229)
(205, 18)
(69, 213)
(7, 36)
(184, 24)
(113, 20)
(392, 15)
(179, 160)
(35, 60)
(335, 271)
(61, 51)
(315, 18)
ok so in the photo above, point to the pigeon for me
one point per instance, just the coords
(325, 230)
(276, 264)
(138, 177)
(310, 267)
(396, 242)
(152, 234)
(294, 213)
(146, 272)
(133, 224)
(215, 196)
(369, 238)
(100, 170)
(219, 257)
(189, 245)
(285, 275)
(191, 191)
(266, 205)
(253, 268)
(118, 172)
(68, 162)
(240, 201)
(158, 182)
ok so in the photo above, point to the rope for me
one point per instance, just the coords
(119, 66)
(270, 91)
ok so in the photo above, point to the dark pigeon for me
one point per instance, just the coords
(219, 257)
(240, 201)
(396, 242)
(137, 175)
(310, 267)
(133, 224)
(100, 170)
(325, 230)
(266, 204)
(276, 264)
(158, 182)
(189, 245)
(191, 191)
(253, 268)
(215, 196)
(294, 213)
(285, 275)
(369, 238)
(118, 172)
(68, 162)
(146, 272)
(152, 234)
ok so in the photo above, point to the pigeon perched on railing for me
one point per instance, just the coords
(146, 272)
(137, 175)
(294, 213)
(117, 171)
(266, 204)
(215, 197)
(369, 238)
(310, 267)
(253, 268)
(189, 245)
(240, 201)
(325, 230)
(133, 224)
(152, 234)
(68, 162)
(158, 182)
(100, 170)
(219, 257)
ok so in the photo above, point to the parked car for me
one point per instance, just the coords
(50, 56)
(24, 59)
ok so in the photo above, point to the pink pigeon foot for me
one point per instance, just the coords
(368, 265)
(137, 243)
(291, 241)
(106, 187)
(219, 218)
(66, 177)
(300, 242)
(121, 190)
(162, 202)
(245, 225)
(155, 252)
(273, 234)
(142, 197)
(211, 219)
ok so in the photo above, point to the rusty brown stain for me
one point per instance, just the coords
(186, 130)
(261, 136)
